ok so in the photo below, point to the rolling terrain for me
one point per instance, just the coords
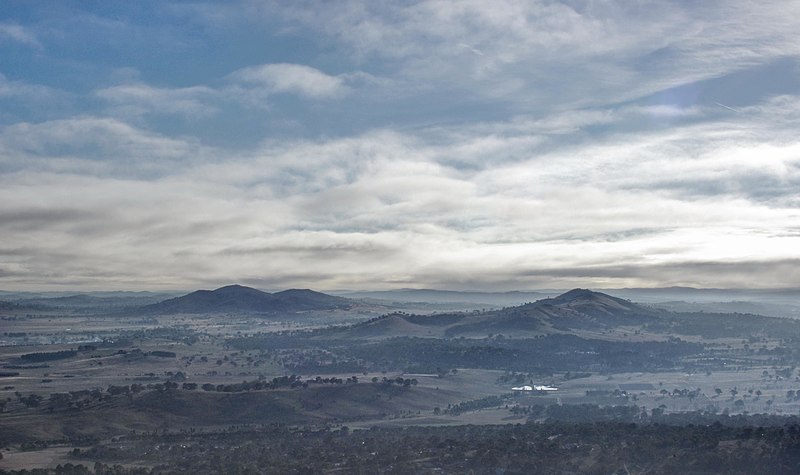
(209, 366)
(576, 312)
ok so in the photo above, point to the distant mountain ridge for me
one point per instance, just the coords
(578, 309)
(241, 299)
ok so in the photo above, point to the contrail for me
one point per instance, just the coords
(727, 107)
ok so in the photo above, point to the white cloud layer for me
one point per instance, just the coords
(546, 50)
(289, 78)
(138, 99)
(390, 208)
(18, 34)
(442, 144)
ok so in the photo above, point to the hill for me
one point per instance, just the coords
(595, 309)
(578, 309)
(241, 299)
(578, 312)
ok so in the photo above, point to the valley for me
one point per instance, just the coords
(96, 386)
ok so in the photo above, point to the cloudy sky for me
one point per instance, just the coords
(374, 145)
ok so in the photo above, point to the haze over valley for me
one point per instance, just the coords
(90, 378)
(429, 236)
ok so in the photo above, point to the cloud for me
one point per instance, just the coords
(387, 207)
(751, 274)
(285, 78)
(21, 89)
(32, 218)
(507, 146)
(25, 98)
(139, 99)
(550, 53)
(19, 34)
(252, 86)
(94, 146)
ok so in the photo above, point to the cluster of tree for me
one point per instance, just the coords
(477, 404)
(86, 398)
(687, 393)
(512, 377)
(293, 381)
(640, 415)
(400, 381)
(31, 400)
(83, 399)
(305, 363)
(295, 339)
(727, 325)
(179, 335)
(318, 351)
(27, 366)
(606, 392)
(546, 355)
(64, 469)
(576, 375)
(47, 356)
(551, 447)
(792, 395)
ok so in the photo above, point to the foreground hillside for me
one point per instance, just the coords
(552, 447)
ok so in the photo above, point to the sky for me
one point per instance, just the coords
(465, 145)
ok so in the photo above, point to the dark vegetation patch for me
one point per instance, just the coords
(552, 447)
(546, 354)
(47, 356)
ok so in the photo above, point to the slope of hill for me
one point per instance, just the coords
(305, 299)
(401, 324)
(578, 309)
(596, 309)
(241, 299)
(578, 312)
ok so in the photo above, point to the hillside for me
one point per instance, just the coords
(241, 299)
(584, 308)
(578, 309)
(578, 312)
